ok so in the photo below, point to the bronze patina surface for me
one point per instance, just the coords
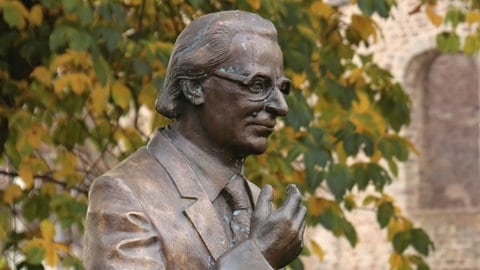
(183, 201)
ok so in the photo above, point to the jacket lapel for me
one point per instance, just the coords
(201, 212)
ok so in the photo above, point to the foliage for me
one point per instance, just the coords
(464, 13)
(78, 78)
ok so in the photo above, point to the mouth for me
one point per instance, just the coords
(265, 129)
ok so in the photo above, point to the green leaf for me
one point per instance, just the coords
(35, 255)
(12, 15)
(455, 16)
(381, 7)
(71, 5)
(339, 180)
(420, 241)
(111, 36)
(472, 44)
(448, 42)
(378, 175)
(401, 240)
(331, 221)
(330, 62)
(360, 176)
(350, 233)
(300, 113)
(384, 213)
(85, 15)
(36, 208)
(366, 6)
(141, 67)
(352, 144)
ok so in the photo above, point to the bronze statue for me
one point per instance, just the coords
(182, 201)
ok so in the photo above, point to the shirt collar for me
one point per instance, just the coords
(212, 173)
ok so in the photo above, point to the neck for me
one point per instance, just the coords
(190, 128)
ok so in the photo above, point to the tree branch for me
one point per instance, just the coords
(47, 179)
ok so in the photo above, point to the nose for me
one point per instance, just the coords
(276, 103)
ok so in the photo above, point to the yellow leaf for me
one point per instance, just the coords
(121, 95)
(25, 172)
(51, 257)
(147, 96)
(472, 17)
(298, 79)
(432, 16)
(361, 105)
(60, 61)
(365, 26)
(398, 224)
(47, 228)
(99, 98)
(395, 260)
(60, 84)
(356, 77)
(317, 205)
(255, 4)
(322, 9)
(42, 75)
(34, 135)
(48, 189)
(317, 250)
(36, 15)
(79, 82)
(12, 192)
(342, 156)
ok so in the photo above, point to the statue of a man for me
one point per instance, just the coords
(183, 201)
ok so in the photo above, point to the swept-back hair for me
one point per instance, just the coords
(202, 47)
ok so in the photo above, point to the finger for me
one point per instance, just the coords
(300, 217)
(264, 202)
(301, 232)
(294, 197)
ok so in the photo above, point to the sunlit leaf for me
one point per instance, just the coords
(317, 250)
(48, 229)
(365, 26)
(472, 17)
(36, 15)
(432, 16)
(322, 9)
(12, 192)
(42, 74)
(121, 95)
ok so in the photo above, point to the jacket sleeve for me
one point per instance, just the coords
(118, 234)
(243, 256)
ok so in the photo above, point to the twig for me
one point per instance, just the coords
(48, 179)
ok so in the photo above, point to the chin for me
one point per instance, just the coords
(257, 147)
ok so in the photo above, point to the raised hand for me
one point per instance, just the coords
(279, 233)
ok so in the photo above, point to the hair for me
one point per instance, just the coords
(202, 47)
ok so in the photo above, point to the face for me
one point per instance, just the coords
(238, 114)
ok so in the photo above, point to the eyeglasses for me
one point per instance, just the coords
(259, 85)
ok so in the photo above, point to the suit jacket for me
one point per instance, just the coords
(150, 212)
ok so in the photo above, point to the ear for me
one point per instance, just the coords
(193, 91)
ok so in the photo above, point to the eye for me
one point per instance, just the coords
(285, 87)
(258, 85)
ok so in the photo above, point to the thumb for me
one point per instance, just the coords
(264, 202)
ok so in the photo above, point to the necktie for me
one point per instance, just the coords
(236, 195)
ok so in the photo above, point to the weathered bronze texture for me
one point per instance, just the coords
(168, 206)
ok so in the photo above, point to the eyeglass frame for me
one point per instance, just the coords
(247, 80)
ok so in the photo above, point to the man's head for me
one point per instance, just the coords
(226, 71)
(202, 47)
